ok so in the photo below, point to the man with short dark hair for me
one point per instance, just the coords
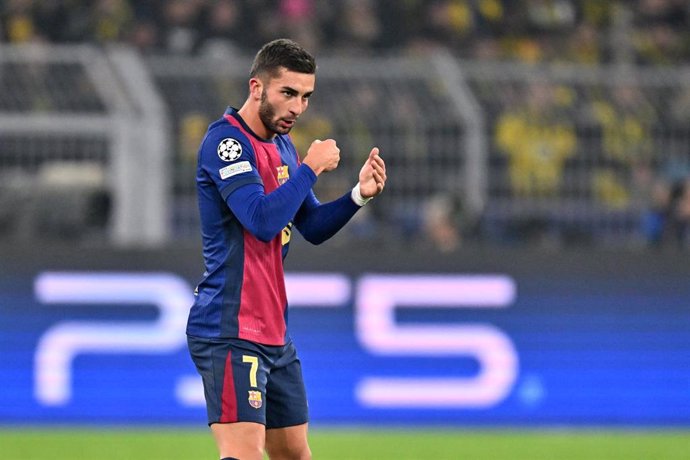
(253, 189)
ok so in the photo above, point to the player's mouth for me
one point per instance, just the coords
(287, 123)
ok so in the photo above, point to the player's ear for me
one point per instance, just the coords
(256, 87)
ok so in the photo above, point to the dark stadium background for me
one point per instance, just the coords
(541, 143)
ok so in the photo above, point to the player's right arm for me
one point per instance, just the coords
(240, 185)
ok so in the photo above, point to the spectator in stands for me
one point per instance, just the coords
(225, 28)
(192, 127)
(110, 20)
(145, 35)
(181, 31)
(537, 139)
(626, 120)
(681, 214)
(450, 23)
(584, 46)
(146, 29)
(299, 19)
(359, 27)
(442, 222)
(660, 35)
(655, 216)
(527, 30)
(18, 22)
(666, 222)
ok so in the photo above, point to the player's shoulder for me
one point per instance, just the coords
(226, 140)
(223, 130)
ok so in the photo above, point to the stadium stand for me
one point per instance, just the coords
(553, 122)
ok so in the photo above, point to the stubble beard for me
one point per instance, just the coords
(267, 115)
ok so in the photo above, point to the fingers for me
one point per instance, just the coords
(378, 168)
(379, 179)
(378, 165)
(372, 176)
(374, 156)
(325, 142)
(378, 172)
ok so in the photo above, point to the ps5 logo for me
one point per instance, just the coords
(379, 296)
(376, 299)
(60, 344)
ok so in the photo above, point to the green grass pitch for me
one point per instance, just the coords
(353, 444)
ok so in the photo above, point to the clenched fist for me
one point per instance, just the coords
(322, 156)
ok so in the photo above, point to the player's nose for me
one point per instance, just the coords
(297, 107)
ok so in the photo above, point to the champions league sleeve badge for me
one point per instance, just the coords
(229, 149)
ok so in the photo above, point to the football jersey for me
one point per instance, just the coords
(242, 292)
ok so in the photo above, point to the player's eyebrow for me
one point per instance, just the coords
(294, 92)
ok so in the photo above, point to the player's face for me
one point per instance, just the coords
(284, 99)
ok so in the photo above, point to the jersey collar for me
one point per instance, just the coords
(231, 111)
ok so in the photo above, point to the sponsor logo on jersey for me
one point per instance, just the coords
(286, 234)
(234, 169)
(255, 399)
(229, 149)
(283, 174)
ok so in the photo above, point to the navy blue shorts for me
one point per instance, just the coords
(248, 382)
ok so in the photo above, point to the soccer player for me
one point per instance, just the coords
(253, 191)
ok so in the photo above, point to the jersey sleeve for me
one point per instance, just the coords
(317, 221)
(227, 157)
(264, 216)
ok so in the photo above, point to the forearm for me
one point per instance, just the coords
(319, 222)
(264, 216)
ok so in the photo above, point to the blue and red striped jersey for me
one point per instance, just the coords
(242, 292)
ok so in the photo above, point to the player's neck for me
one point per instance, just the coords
(250, 115)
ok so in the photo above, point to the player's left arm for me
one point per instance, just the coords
(317, 221)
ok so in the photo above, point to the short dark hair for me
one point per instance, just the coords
(285, 53)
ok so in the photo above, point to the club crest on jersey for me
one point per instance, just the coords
(255, 399)
(229, 149)
(283, 174)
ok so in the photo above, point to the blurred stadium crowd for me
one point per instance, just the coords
(653, 32)
(554, 142)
